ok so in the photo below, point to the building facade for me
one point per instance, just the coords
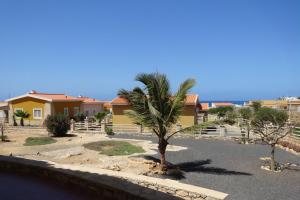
(189, 116)
(40, 105)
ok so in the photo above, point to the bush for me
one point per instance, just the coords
(79, 117)
(58, 125)
(289, 145)
(109, 131)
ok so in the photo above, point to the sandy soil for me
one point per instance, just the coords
(69, 150)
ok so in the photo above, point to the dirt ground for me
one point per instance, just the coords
(70, 150)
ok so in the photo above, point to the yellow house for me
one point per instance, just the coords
(276, 104)
(187, 118)
(40, 105)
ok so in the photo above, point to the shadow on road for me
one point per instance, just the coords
(177, 170)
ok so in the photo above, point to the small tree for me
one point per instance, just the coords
(246, 115)
(155, 107)
(271, 126)
(230, 117)
(23, 115)
(256, 105)
(58, 125)
(100, 116)
(79, 117)
(221, 111)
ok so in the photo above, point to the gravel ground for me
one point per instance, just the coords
(233, 168)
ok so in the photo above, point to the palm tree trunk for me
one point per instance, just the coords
(2, 132)
(248, 132)
(22, 122)
(162, 146)
(273, 157)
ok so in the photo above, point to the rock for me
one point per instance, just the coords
(152, 187)
(210, 198)
(182, 193)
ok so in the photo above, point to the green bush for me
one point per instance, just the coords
(109, 131)
(79, 117)
(58, 124)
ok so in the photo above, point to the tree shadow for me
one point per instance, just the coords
(177, 171)
(63, 136)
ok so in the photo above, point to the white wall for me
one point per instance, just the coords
(91, 109)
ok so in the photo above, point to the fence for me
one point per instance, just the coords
(296, 133)
(94, 127)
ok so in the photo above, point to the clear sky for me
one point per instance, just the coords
(235, 49)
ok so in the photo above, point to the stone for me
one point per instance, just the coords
(182, 193)
(210, 198)
(152, 187)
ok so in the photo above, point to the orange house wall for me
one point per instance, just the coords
(58, 107)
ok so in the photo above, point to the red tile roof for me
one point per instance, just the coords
(107, 105)
(221, 104)
(191, 99)
(55, 97)
(88, 100)
(204, 106)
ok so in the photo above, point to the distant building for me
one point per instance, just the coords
(90, 106)
(290, 105)
(188, 117)
(221, 104)
(276, 104)
(3, 111)
(40, 105)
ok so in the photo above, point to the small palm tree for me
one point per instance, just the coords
(100, 116)
(23, 115)
(157, 108)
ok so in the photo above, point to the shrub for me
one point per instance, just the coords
(289, 145)
(58, 125)
(79, 117)
(109, 131)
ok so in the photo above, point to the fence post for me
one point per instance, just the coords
(140, 128)
(102, 127)
(86, 123)
(178, 127)
(222, 131)
(72, 125)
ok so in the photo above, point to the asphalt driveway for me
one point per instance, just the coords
(233, 168)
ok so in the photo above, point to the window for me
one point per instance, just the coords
(66, 111)
(37, 113)
(76, 110)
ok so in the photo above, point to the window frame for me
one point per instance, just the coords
(40, 109)
(66, 109)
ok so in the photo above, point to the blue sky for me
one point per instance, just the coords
(235, 49)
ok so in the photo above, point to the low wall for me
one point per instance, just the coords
(109, 187)
(109, 190)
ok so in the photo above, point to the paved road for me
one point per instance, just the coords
(233, 168)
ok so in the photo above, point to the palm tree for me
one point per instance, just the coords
(100, 116)
(157, 108)
(23, 115)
